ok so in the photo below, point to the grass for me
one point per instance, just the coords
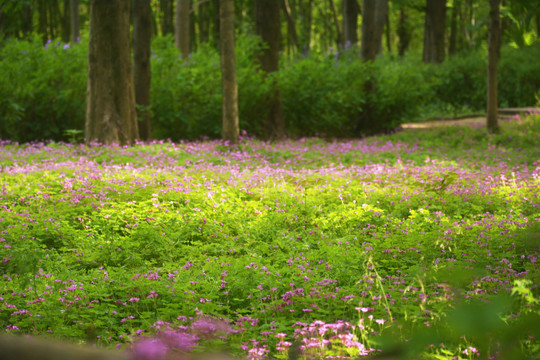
(302, 248)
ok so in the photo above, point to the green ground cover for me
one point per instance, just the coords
(304, 248)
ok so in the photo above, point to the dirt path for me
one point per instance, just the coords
(475, 120)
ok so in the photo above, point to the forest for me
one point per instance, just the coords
(269, 179)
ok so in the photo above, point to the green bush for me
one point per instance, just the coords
(42, 89)
(519, 78)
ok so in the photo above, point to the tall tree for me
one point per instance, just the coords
(110, 103)
(434, 31)
(267, 26)
(381, 15)
(350, 22)
(305, 8)
(339, 34)
(369, 45)
(166, 13)
(230, 129)
(291, 26)
(456, 12)
(494, 43)
(142, 34)
(182, 26)
(403, 31)
(75, 20)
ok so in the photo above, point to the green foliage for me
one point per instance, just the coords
(42, 89)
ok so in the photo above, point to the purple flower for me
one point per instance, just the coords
(149, 349)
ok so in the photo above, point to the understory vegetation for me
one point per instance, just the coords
(43, 90)
(424, 243)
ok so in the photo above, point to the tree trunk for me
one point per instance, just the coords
(368, 49)
(350, 23)
(381, 14)
(204, 23)
(339, 35)
(230, 131)
(181, 31)
(142, 34)
(494, 42)
(27, 20)
(66, 28)
(403, 32)
(538, 21)
(291, 26)
(216, 23)
(42, 21)
(110, 105)
(167, 23)
(456, 10)
(75, 21)
(434, 31)
(267, 26)
(306, 17)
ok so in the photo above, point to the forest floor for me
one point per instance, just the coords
(472, 120)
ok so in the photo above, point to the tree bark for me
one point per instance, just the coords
(181, 31)
(456, 10)
(230, 130)
(204, 22)
(66, 28)
(291, 26)
(538, 21)
(368, 48)
(267, 26)
(350, 23)
(434, 31)
(167, 23)
(27, 20)
(42, 21)
(339, 34)
(381, 14)
(110, 105)
(142, 34)
(306, 17)
(403, 32)
(75, 20)
(494, 41)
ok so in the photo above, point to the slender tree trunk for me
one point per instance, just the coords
(142, 34)
(538, 21)
(456, 10)
(181, 31)
(368, 49)
(306, 16)
(204, 23)
(388, 33)
(75, 20)
(110, 105)
(350, 23)
(434, 31)
(291, 26)
(215, 33)
(65, 22)
(267, 26)
(167, 23)
(403, 32)
(381, 15)
(27, 21)
(494, 42)
(339, 34)
(230, 129)
(42, 21)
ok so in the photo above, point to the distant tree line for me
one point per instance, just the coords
(120, 34)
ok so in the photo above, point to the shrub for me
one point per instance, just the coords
(42, 89)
